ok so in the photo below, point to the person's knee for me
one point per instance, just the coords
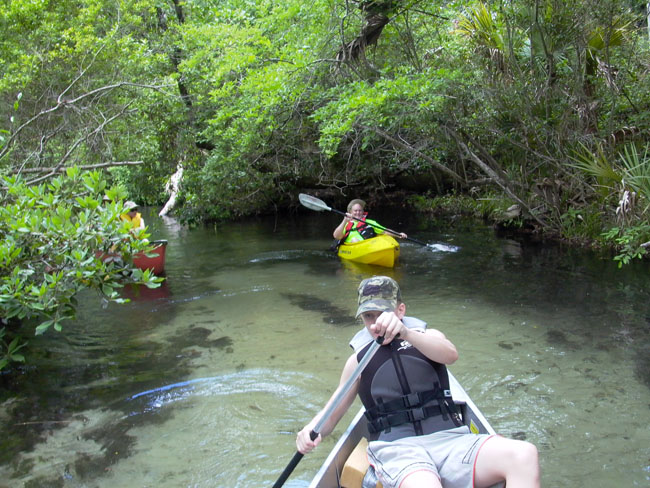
(525, 454)
(507, 459)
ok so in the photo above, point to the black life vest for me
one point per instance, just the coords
(405, 393)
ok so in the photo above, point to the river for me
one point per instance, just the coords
(204, 382)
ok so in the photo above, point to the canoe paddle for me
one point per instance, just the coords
(314, 203)
(335, 403)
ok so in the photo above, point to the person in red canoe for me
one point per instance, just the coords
(133, 217)
(356, 227)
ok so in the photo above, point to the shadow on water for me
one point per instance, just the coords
(95, 366)
(331, 313)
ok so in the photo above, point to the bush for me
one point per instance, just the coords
(53, 239)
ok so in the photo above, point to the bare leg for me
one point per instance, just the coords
(514, 461)
(421, 479)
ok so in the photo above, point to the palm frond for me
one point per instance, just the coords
(596, 163)
(636, 169)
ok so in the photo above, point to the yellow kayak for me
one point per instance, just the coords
(382, 250)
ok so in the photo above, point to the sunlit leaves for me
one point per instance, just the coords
(481, 25)
(636, 170)
(399, 102)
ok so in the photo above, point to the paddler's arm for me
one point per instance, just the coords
(303, 440)
(380, 229)
(432, 343)
(339, 232)
(401, 235)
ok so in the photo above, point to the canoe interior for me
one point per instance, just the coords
(327, 476)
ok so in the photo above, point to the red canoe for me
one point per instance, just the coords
(155, 261)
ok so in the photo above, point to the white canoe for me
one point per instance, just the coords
(329, 474)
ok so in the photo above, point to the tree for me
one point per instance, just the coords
(79, 87)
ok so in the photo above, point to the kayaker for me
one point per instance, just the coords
(133, 217)
(416, 437)
(356, 227)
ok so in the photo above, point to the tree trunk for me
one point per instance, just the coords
(172, 188)
(355, 49)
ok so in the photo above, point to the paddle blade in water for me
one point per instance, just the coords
(443, 247)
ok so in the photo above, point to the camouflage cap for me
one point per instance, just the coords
(378, 293)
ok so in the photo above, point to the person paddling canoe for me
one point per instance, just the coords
(416, 436)
(134, 218)
(356, 227)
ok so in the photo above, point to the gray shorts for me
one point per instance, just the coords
(450, 454)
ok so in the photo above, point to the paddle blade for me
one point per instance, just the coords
(443, 247)
(313, 203)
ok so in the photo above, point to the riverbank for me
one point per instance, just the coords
(585, 227)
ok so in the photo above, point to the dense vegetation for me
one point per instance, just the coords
(540, 107)
(53, 237)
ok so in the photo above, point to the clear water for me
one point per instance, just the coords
(204, 382)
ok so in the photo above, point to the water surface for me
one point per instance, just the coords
(204, 382)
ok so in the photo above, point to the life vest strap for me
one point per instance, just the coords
(385, 422)
(407, 401)
(365, 230)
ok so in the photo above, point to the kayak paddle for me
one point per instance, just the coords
(335, 403)
(314, 203)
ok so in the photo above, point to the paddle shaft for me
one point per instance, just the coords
(328, 412)
(378, 226)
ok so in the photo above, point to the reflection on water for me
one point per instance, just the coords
(205, 381)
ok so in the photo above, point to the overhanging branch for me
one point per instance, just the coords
(496, 175)
(62, 102)
(84, 167)
(436, 164)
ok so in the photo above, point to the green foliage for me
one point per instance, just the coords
(483, 27)
(627, 175)
(581, 224)
(90, 82)
(249, 71)
(225, 190)
(258, 99)
(631, 242)
(630, 171)
(404, 100)
(598, 164)
(487, 206)
(636, 171)
(53, 238)
(9, 351)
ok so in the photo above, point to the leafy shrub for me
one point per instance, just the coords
(53, 238)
